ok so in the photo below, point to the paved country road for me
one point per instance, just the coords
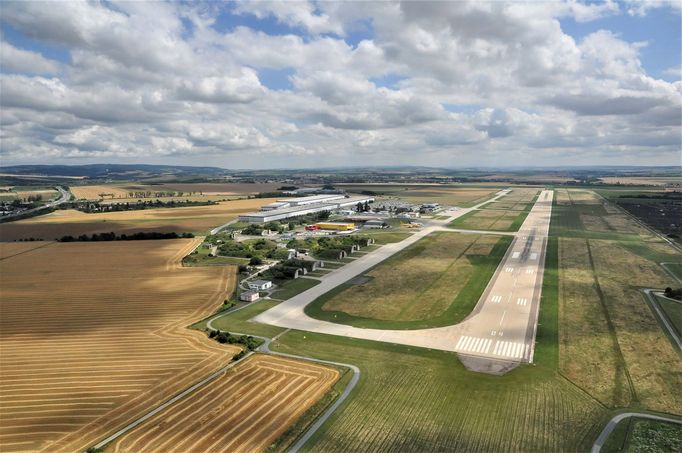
(64, 196)
(500, 329)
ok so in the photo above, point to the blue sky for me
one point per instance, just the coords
(299, 84)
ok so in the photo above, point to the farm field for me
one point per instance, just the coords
(22, 193)
(489, 219)
(193, 219)
(244, 410)
(122, 193)
(642, 180)
(446, 195)
(93, 334)
(657, 209)
(436, 281)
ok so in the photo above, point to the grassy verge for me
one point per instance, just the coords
(382, 237)
(238, 321)
(293, 287)
(673, 310)
(547, 337)
(460, 307)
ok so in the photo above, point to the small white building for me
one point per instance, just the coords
(249, 296)
(260, 285)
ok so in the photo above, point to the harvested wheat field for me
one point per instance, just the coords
(244, 410)
(192, 219)
(92, 335)
(98, 192)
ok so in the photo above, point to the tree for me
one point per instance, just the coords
(255, 261)
(358, 207)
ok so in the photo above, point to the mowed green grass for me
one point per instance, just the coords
(291, 288)
(490, 219)
(238, 320)
(434, 282)
(410, 399)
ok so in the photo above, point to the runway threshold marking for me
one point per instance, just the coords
(496, 299)
(509, 349)
(473, 344)
(521, 301)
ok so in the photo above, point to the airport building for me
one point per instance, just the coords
(303, 208)
(336, 226)
(301, 201)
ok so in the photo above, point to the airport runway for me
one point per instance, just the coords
(500, 329)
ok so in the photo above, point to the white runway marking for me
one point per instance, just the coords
(516, 255)
(509, 349)
(496, 299)
(530, 271)
(473, 344)
(533, 256)
(521, 301)
(509, 269)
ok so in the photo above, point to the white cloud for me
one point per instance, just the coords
(151, 81)
(22, 60)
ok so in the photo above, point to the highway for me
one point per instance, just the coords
(501, 327)
(64, 196)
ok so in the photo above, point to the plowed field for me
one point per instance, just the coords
(93, 334)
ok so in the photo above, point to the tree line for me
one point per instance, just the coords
(111, 236)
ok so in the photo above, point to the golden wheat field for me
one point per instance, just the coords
(244, 410)
(92, 335)
(192, 219)
(127, 192)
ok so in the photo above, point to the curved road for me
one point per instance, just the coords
(611, 425)
(65, 196)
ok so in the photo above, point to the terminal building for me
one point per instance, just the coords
(302, 206)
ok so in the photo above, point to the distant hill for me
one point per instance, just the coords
(111, 171)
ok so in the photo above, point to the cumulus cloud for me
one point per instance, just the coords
(148, 81)
(21, 60)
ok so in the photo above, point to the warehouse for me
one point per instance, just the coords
(275, 205)
(302, 209)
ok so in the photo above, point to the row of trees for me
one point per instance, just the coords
(111, 236)
(93, 206)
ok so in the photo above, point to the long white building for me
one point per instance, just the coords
(303, 209)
